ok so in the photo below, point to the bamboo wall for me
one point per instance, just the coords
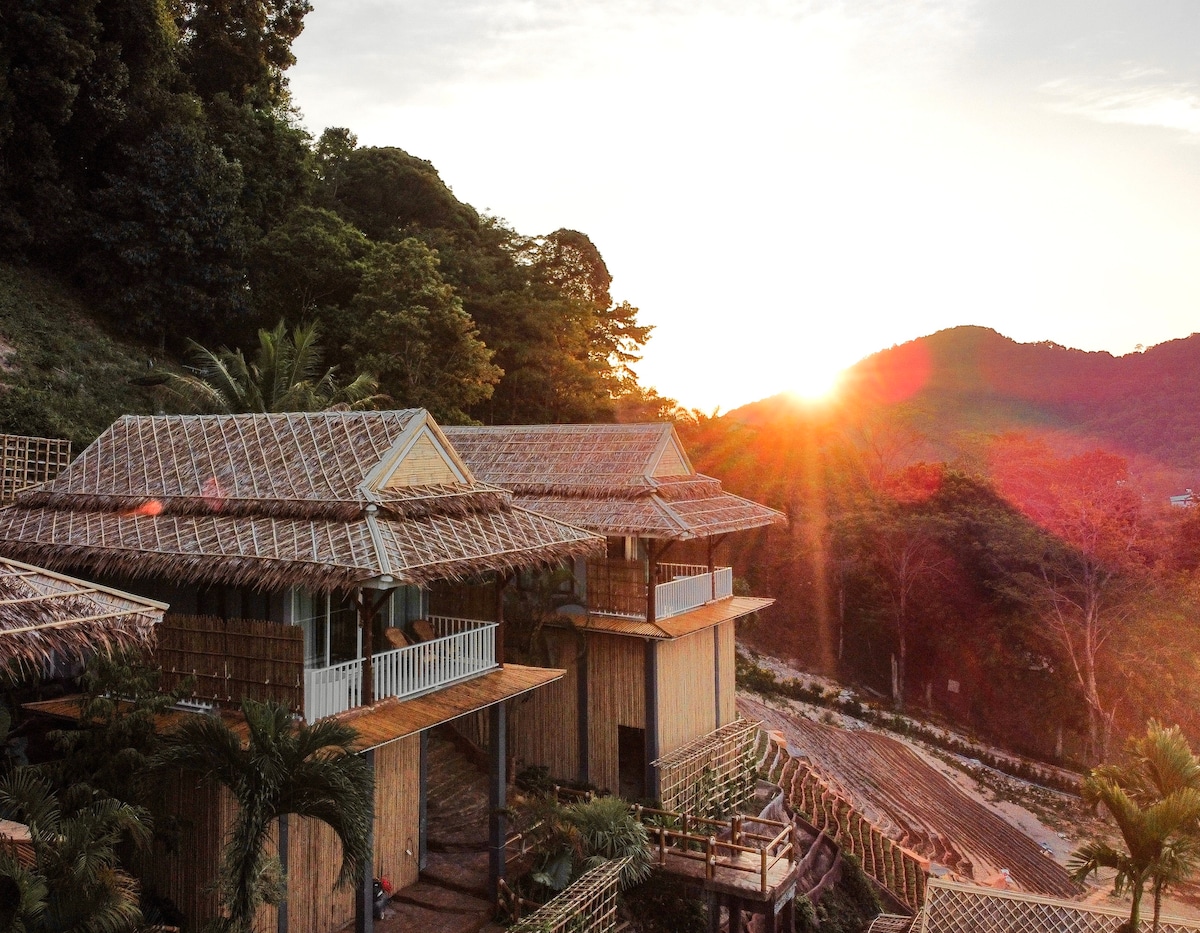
(616, 697)
(686, 690)
(315, 903)
(543, 726)
(232, 659)
(423, 465)
(188, 873)
(725, 633)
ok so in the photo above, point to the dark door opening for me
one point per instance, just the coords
(631, 762)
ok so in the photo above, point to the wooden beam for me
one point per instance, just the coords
(364, 899)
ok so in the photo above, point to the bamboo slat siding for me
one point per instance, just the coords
(315, 903)
(27, 461)
(463, 600)
(232, 659)
(617, 695)
(686, 690)
(187, 874)
(423, 465)
(725, 633)
(617, 586)
(544, 725)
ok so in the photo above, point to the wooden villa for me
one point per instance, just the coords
(646, 708)
(297, 552)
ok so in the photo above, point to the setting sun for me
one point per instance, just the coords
(816, 382)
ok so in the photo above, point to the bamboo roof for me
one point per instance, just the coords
(44, 614)
(392, 719)
(325, 500)
(616, 479)
(378, 724)
(702, 617)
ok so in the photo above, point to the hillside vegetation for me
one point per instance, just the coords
(981, 528)
(152, 158)
(63, 374)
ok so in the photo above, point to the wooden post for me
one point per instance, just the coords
(364, 901)
(497, 794)
(651, 739)
(735, 915)
(423, 805)
(368, 611)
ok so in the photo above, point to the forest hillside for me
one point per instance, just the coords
(982, 528)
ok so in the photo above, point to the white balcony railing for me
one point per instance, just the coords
(690, 589)
(464, 648)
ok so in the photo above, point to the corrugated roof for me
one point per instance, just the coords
(303, 499)
(706, 616)
(608, 478)
(43, 614)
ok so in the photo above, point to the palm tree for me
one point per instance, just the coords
(285, 375)
(76, 884)
(1154, 798)
(285, 768)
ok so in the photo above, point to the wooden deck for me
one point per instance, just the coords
(738, 875)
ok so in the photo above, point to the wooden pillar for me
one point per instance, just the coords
(735, 914)
(368, 612)
(714, 912)
(582, 712)
(712, 577)
(652, 743)
(497, 794)
(364, 899)
(423, 805)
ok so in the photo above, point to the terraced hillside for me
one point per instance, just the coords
(913, 804)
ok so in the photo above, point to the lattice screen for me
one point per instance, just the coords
(712, 776)
(587, 906)
(959, 908)
(27, 461)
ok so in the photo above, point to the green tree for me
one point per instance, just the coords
(77, 884)
(309, 265)
(285, 375)
(169, 243)
(409, 326)
(285, 768)
(1154, 798)
(239, 48)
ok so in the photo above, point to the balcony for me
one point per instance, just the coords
(619, 588)
(463, 649)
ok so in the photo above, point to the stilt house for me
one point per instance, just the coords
(647, 706)
(297, 552)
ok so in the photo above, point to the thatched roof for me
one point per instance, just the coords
(322, 500)
(616, 479)
(45, 614)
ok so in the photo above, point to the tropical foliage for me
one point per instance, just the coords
(1154, 799)
(76, 883)
(285, 375)
(283, 768)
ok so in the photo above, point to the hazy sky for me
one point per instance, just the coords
(786, 187)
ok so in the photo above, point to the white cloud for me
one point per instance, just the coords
(1138, 96)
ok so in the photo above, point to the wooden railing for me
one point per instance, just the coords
(619, 588)
(744, 850)
(464, 648)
